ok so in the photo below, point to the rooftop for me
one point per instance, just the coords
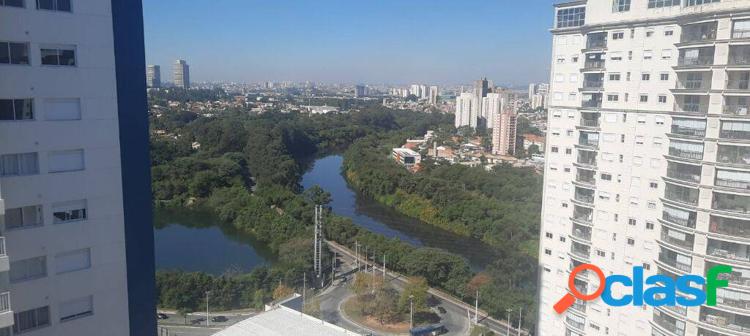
(283, 321)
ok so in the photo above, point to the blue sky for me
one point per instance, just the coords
(352, 41)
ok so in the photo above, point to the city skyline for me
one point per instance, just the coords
(394, 42)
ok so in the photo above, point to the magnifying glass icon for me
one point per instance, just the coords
(570, 298)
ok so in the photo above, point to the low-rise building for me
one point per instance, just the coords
(407, 158)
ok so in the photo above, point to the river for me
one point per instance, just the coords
(194, 241)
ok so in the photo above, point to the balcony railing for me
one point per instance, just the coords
(687, 243)
(579, 306)
(591, 104)
(739, 60)
(684, 176)
(686, 222)
(693, 85)
(731, 203)
(686, 154)
(737, 184)
(674, 263)
(740, 34)
(575, 324)
(695, 61)
(676, 129)
(739, 135)
(593, 85)
(725, 321)
(594, 65)
(669, 324)
(736, 109)
(730, 227)
(585, 141)
(734, 154)
(697, 35)
(691, 108)
(739, 278)
(581, 232)
(720, 252)
(681, 194)
(586, 179)
(596, 43)
(583, 253)
(5, 302)
(590, 122)
(584, 198)
(738, 84)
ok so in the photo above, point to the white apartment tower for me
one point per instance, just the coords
(648, 160)
(181, 74)
(153, 76)
(76, 240)
(492, 106)
(467, 110)
(434, 93)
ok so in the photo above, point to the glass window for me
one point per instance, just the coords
(31, 319)
(741, 29)
(69, 211)
(66, 161)
(12, 3)
(14, 53)
(16, 109)
(571, 17)
(28, 216)
(64, 56)
(73, 261)
(699, 2)
(621, 5)
(77, 308)
(662, 3)
(19, 164)
(56, 5)
(28, 269)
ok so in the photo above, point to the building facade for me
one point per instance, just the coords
(492, 106)
(434, 93)
(648, 160)
(76, 252)
(467, 110)
(504, 133)
(153, 76)
(360, 91)
(181, 74)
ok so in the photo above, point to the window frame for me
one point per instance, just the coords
(59, 48)
(9, 44)
(56, 6)
(24, 101)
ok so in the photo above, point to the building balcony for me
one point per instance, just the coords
(679, 217)
(741, 34)
(593, 66)
(732, 227)
(728, 250)
(686, 153)
(684, 172)
(681, 194)
(682, 107)
(693, 85)
(730, 322)
(688, 131)
(739, 56)
(739, 155)
(581, 232)
(675, 260)
(700, 32)
(736, 130)
(698, 61)
(596, 41)
(740, 110)
(738, 84)
(669, 323)
(739, 277)
(677, 238)
(733, 179)
(593, 85)
(739, 204)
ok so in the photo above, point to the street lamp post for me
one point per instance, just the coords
(508, 332)
(208, 321)
(411, 311)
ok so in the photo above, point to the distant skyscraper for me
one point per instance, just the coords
(153, 76)
(504, 133)
(481, 88)
(416, 90)
(532, 90)
(182, 74)
(466, 110)
(434, 93)
(360, 91)
(424, 92)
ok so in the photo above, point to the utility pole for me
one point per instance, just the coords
(411, 311)
(304, 289)
(318, 243)
(520, 317)
(383, 268)
(333, 267)
(366, 259)
(356, 253)
(208, 320)
(476, 308)
(508, 310)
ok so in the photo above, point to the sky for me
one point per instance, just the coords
(352, 41)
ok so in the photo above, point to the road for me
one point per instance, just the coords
(455, 319)
(451, 304)
(174, 324)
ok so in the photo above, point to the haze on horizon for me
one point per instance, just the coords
(345, 41)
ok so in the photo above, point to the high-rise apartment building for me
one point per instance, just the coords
(76, 252)
(504, 132)
(360, 91)
(467, 108)
(648, 160)
(434, 93)
(492, 106)
(181, 74)
(153, 76)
